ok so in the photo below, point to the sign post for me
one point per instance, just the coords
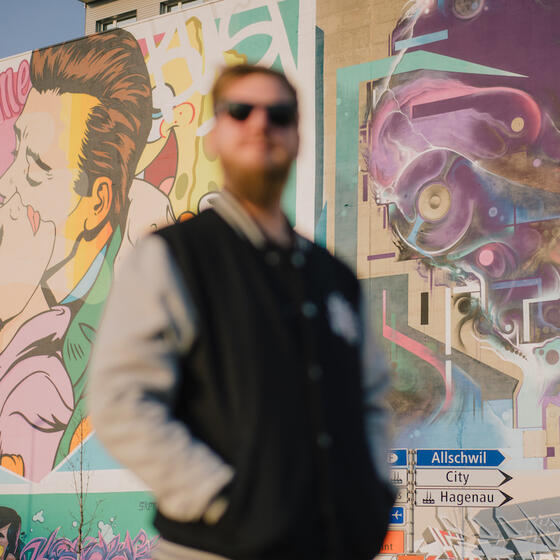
(460, 478)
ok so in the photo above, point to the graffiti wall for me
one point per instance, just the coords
(103, 140)
(439, 156)
(447, 167)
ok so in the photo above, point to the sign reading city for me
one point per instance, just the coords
(459, 458)
(461, 477)
(475, 497)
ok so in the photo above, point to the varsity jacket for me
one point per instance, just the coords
(260, 393)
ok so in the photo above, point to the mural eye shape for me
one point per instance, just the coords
(467, 9)
(465, 305)
(434, 202)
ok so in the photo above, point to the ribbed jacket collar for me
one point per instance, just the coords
(231, 210)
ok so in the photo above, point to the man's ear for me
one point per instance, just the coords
(100, 202)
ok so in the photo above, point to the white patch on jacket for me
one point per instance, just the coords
(343, 320)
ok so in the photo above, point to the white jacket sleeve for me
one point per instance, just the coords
(148, 320)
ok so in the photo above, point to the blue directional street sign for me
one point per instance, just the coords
(397, 516)
(459, 458)
(397, 457)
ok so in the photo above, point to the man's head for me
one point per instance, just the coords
(255, 135)
(10, 526)
(80, 135)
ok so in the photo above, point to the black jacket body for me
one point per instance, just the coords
(276, 392)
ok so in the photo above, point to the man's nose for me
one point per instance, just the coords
(258, 118)
(15, 206)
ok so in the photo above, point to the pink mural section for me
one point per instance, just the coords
(14, 87)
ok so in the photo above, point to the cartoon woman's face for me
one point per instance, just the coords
(26, 244)
(4, 539)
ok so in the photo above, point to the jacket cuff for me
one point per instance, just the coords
(217, 506)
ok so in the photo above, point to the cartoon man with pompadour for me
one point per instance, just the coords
(79, 138)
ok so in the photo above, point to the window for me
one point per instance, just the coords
(116, 21)
(173, 6)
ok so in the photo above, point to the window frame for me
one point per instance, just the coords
(113, 22)
(180, 4)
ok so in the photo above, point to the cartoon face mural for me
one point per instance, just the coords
(103, 142)
(26, 245)
(78, 140)
(183, 56)
(175, 158)
(45, 166)
(68, 163)
(10, 526)
(35, 391)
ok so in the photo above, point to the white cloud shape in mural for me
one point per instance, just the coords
(106, 531)
(39, 517)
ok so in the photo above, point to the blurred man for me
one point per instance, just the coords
(232, 372)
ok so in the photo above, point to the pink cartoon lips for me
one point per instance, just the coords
(34, 218)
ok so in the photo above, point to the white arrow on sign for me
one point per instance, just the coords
(461, 477)
(453, 497)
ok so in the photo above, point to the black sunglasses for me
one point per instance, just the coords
(279, 114)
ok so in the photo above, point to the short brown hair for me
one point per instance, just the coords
(109, 66)
(231, 74)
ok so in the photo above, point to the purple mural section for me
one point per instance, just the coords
(466, 160)
(59, 548)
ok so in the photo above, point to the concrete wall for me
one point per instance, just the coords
(353, 34)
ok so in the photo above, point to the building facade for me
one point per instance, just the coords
(430, 157)
(102, 15)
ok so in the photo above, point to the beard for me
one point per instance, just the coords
(260, 186)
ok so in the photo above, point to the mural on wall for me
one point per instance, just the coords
(456, 205)
(466, 166)
(105, 545)
(104, 141)
(78, 140)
